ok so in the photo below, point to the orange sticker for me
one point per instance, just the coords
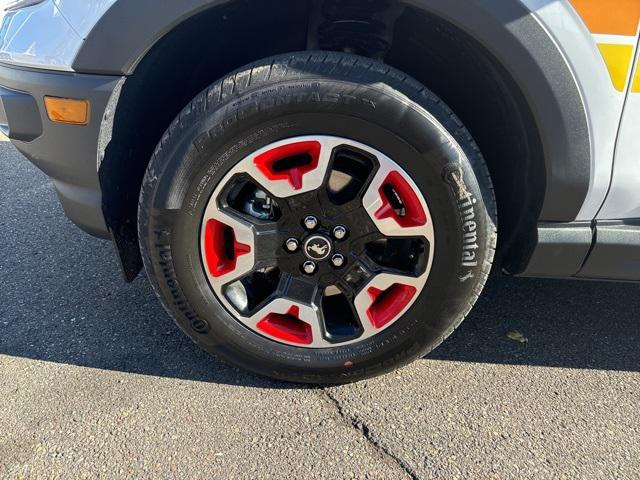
(609, 17)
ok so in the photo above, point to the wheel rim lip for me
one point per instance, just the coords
(312, 180)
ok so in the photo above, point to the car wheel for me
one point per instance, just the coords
(317, 217)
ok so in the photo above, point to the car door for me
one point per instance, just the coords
(616, 251)
(623, 200)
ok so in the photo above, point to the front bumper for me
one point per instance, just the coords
(66, 153)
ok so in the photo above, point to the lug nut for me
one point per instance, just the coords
(337, 260)
(339, 232)
(292, 245)
(310, 222)
(309, 267)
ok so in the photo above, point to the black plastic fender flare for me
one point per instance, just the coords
(507, 29)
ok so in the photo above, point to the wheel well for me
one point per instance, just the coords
(217, 41)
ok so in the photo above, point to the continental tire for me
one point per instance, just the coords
(317, 217)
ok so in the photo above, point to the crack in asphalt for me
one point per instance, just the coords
(360, 425)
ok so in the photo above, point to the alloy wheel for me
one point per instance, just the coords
(317, 241)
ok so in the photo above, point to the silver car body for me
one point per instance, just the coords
(598, 46)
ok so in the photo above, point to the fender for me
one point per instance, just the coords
(507, 29)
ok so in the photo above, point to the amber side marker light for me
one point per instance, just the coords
(67, 110)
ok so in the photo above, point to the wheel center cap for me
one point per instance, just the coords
(317, 247)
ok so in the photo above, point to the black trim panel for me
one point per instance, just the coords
(560, 251)
(608, 250)
(66, 153)
(19, 116)
(616, 253)
(128, 30)
(507, 29)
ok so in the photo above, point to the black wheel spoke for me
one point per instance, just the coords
(355, 277)
(268, 243)
(338, 316)
(297, 289)
(350, 173)
(397, 255)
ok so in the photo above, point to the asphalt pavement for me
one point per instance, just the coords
(97, 381)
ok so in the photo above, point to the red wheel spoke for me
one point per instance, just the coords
(287, 327)
(222, 250)
(395, 189)
(290, 322)
(395, 204)
(387, 304)
(385, 299)
(289, 162)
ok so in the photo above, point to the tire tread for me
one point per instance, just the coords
(350, 67)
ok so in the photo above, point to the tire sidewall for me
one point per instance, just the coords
(412, 128)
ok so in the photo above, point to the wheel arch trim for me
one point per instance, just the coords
(511, 33)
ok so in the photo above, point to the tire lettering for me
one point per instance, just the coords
(454, 176)
(166, 264)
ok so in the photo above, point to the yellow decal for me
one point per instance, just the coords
(635, 88)
(618, 60)
(618, 19)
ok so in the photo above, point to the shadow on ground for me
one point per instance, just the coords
(63, 300)
(568, 323)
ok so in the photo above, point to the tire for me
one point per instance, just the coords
(385, 119)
